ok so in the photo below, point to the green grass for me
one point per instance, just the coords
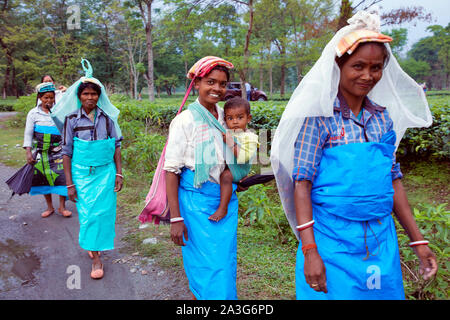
(7, 104)
(10, 154)
(427, 182)
(266, 268)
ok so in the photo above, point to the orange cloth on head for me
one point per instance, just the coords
(351, 41)
(205, 64)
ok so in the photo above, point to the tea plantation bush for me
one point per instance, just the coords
(422, 142)
(136, 115)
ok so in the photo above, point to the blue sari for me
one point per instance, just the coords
(210, 254)
(352, 200)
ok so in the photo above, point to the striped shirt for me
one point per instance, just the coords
(319, 133)
(77, 124)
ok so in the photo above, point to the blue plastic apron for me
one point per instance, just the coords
(352, 200)
(93, 173)
(209, 256)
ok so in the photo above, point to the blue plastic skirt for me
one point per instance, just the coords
(209, 256)
(352, 199)
(93, 173)
(60, 190)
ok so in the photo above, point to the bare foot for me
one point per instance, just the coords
(218, 215)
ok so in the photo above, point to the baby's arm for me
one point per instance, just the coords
(231, 143)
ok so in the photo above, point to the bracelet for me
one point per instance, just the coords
(308, 246)
(72, 185)
(119, 175)
(305, 225)
(418, 243)
(177, 219)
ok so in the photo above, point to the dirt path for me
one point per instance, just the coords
(6, 115)
(41, 259)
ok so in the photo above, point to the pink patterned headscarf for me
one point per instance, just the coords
(351, 41)
(203, 66)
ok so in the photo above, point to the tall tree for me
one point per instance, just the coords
(435, 50)
(145, 10)
(243, 71)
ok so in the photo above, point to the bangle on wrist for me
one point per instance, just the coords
(305, 225)
(119, 175)
(70, 186)
(418, 243)
(176, 219)
(308, 246)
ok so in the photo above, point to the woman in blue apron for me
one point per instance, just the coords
(345, 181)
(92, 165)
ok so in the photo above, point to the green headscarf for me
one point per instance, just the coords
(70, 101)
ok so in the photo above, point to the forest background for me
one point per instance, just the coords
(151, 44)
(141, 51)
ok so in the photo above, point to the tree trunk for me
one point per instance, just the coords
(9, 65)
(270, 80)
(244, 72)
(15, 92)
(345, 13)
(186, 82)
(283, 71)
(299, 72)
(147, 18)
(261, 76)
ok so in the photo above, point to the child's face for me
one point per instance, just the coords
(211, 88)
(237, 118)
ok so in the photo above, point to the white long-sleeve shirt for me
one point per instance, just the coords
(180, 151)
(35, 116)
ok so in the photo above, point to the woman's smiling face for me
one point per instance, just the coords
(211, 88)
(361, 72)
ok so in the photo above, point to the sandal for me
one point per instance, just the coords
(91, 255)
(97, 273)
(47, 213)
(66, 213)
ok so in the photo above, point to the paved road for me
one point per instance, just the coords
(5, 115)
(41, 259)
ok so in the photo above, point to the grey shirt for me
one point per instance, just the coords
(77, 124)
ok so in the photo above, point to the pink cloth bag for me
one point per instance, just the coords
(156, 204)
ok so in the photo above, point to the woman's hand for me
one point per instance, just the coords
(427, 261)
(118, 184)
(29, 156)
(30, 159)
(315, 274)
(72, 194)
(177, 230)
